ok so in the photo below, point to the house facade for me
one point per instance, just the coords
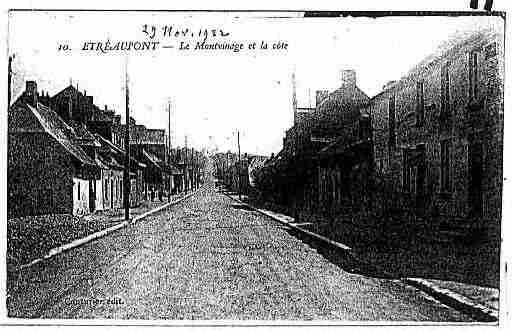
(306, 180)
(48, 171)
(437, 137)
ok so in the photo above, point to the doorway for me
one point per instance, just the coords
(476, 177)
(92, 196)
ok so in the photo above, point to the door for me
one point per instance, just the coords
(92, 196)
(111, 193)
(476, 177)
(420, 198)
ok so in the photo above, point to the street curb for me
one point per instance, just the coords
(81, 241)
(477, 311)
(341, 246)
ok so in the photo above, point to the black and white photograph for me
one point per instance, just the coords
(288, 167)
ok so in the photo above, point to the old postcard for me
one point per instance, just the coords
(254, 167)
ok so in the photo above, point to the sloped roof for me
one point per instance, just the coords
(460, 41)
(341, 146)
(116, 149)
(110, 162)
(168, 168)
(151, 158)
(344, 96)
(171, 169)
(102, 163)
(175, 170)
(52, 124)
(83, 136)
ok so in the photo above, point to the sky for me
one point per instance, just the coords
(214, 94)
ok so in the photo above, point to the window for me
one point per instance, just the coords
(406, 174)
(365, 128)
(391, 123)
(490, 50)
(445, 163)
(472, 76)
(413, 179)
(420, 104)
(79, 190)
(445, 97)
(380, 165)
(105, 188)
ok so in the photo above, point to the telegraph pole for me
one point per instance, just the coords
(239, 165)
(185, 179)
(193, 178)
(126, 172)
(169, 150)
(9, 80)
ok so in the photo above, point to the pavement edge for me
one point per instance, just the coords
(477, 311)
(81, 241)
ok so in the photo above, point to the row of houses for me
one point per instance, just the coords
(66, 155)
(237, 174)
(424, 152)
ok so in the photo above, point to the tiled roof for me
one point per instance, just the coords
(341, 145)
(344, 96)
(83, 136)
(117, 150)
(151, 158)
(169, 168)
(59, 130)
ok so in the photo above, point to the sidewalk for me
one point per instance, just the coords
(115, 216)
(480, 302)
(33, 237)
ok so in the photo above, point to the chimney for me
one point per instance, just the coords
(320, 96)
(348, 78)
(70, 108)
(31, 93)
(389, 84)
(105, 107)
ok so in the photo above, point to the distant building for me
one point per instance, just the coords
(255, 163)
(333, 119)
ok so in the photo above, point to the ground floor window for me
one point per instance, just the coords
(445, 165)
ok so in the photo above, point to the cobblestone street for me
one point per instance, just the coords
(206, 258)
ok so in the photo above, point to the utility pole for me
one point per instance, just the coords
(126, 173)
(239, 165)
(169, 150)
(294, 98)
(185, 178)
(9, 80)
(193, 181)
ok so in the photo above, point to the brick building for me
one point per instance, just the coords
(345, 169)
(75, 107)
(149, 146)
(333, 118)
(48, 171)
(437, 137)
